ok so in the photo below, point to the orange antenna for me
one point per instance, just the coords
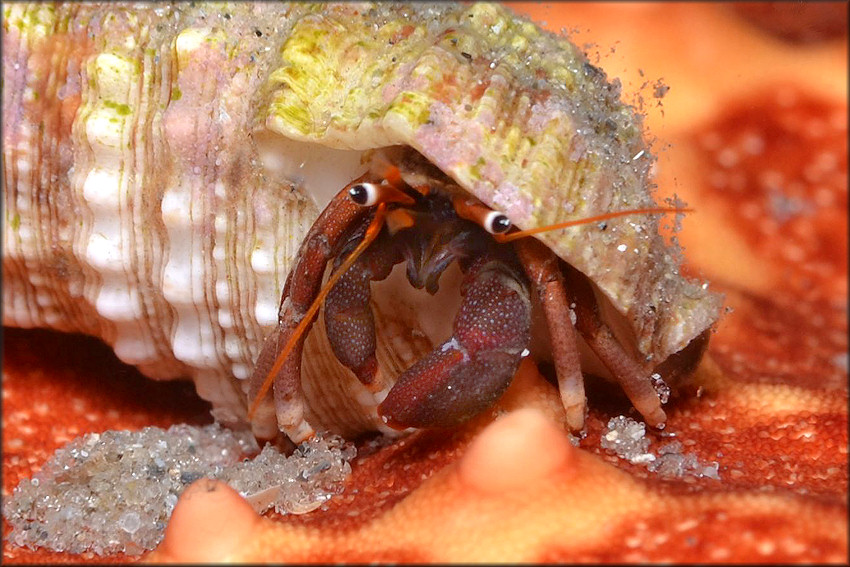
(605, 216)
(372, 232)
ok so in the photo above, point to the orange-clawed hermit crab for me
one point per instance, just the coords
(411, 213)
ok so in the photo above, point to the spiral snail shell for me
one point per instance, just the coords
(162, 163)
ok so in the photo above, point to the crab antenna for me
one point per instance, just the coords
(588, 220)
(372, 232)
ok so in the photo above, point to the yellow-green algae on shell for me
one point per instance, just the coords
(518, 117)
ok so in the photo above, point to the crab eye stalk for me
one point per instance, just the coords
(368, 194)
(496, 223)
(364, 194)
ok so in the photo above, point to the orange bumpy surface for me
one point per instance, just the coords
(758, 145)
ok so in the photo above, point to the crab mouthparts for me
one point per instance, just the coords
(428, 257)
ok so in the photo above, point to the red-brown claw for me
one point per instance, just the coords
(470, 371)
(349, 322)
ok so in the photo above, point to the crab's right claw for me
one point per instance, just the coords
(443, 389)
(470, 371)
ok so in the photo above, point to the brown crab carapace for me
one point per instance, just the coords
(380, 220)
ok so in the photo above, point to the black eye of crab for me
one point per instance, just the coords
(496, 223)
(364, 194)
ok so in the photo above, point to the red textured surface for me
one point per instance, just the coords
(769, 403)
(802, 23)
(781, 177)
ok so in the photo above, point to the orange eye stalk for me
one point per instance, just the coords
(494, 222)
(370, 194)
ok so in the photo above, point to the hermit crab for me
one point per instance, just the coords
(424, 220)
(171, 171)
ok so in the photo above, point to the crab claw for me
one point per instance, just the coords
(349, 322)
(469, 372)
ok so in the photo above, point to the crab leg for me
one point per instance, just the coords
(301, 287)
(631, 375)
(471, 370)
(541, 267)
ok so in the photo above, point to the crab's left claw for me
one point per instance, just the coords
(471, 370)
